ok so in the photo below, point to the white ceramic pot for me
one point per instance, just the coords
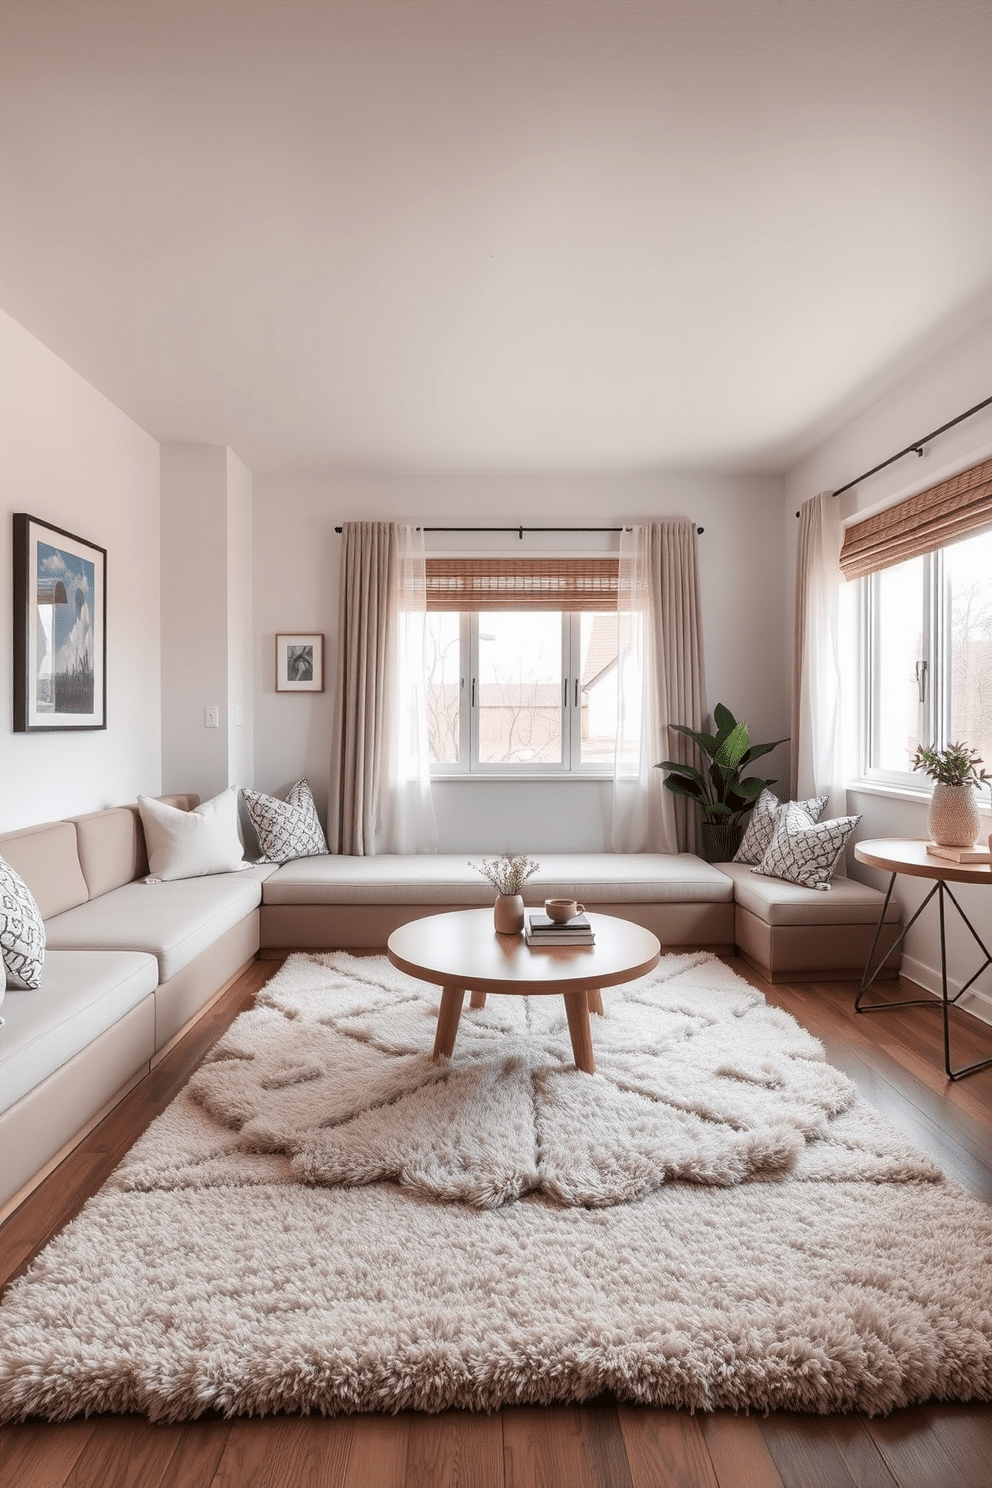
(508, 914)
(953, 820)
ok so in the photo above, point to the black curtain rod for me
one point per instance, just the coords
(521, 530)
(916, 448)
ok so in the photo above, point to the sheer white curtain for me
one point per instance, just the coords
(380, 799)
(818, 741)
(660, 681)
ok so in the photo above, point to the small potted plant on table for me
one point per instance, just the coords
(952, 818)
(721, 788)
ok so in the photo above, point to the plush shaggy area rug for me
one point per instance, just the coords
(325, 1220)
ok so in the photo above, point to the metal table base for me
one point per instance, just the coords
(940, 888)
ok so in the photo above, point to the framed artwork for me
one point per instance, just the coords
(299, 663)
(60, 629)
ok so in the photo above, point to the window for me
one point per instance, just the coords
(512, 690)
(522, 665)
(928, 632)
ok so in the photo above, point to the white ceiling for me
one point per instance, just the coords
(495, 233)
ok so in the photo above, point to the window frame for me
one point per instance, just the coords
(934, 717)
(570, 767)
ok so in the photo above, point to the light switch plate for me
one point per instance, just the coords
(211, 715)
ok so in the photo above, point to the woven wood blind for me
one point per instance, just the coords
(920, 524)
(522, 583)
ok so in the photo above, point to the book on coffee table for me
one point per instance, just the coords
(544, 931)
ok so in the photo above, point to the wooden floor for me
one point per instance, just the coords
(896, 1060)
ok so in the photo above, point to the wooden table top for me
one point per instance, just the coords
(909, 855)
(461, 949)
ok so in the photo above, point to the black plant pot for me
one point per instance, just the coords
(720, 843)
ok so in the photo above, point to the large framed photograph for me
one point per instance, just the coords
(60, 629)
(299, 663)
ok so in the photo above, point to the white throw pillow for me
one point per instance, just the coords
(803, 851)
(286, 829)
(192, 844)
(22, 931)
(761, 826)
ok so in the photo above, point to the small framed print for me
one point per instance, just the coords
(60, 629)
(299, 663)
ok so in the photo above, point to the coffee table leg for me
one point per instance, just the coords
(577, 1012)
(595, 1001)
(477, 1000)
(447, 1020)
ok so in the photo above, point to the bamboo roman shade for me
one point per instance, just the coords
(522, 583)
(922, 523)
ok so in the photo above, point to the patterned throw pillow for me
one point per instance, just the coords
(286, 829)
(22, 930)
(761, 827)
(803, 851)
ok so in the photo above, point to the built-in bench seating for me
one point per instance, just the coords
(130, 964)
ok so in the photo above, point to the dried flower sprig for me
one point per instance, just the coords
(507, 873)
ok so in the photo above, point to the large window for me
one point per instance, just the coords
(515, 690)
(522, 665)
(928, 631)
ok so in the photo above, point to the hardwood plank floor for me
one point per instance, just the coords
(896, 1060)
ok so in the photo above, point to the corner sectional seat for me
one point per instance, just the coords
(128, 966)
(787, 932)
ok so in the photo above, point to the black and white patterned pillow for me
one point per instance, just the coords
(286, 829)
(761, 827)
(803, 851)
(22, 930)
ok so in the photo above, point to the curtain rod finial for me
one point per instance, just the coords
(700, 531)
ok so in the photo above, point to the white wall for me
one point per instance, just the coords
(71, 458)
(955, 380)
(296, 586)
(206, 618)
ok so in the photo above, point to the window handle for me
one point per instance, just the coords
(473, 692)
(564, 692)
(921, 679)
(576, 692)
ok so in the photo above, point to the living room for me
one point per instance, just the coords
(171, 388)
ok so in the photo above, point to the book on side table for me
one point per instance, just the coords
(542, 931)
(960, 854)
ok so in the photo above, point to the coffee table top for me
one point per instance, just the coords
(909, 855)
(461, 949)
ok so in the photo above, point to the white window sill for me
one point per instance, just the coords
(573, 777)
(908, 794)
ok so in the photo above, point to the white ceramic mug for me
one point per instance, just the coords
(561, 910)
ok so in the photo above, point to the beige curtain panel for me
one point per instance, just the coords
(922, 523)
(660, 682)
(380, 799)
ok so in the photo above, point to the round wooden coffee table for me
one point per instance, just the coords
(462, 952)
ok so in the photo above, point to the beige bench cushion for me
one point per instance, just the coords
(83, 993)
(780, 903)
(446, 879)
(171, 921)
(45, 856)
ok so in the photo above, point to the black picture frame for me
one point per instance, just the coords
(60, 629)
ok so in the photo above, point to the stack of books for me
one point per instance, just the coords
(542, 931)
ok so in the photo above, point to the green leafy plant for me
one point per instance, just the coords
(955, 765)
(507, 873)
(721, 788)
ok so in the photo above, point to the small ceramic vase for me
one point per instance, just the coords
(508, 914)
(953, 820)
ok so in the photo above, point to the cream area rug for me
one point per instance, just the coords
(325, 1220)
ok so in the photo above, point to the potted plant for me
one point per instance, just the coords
(952, 819)
(721, 787)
